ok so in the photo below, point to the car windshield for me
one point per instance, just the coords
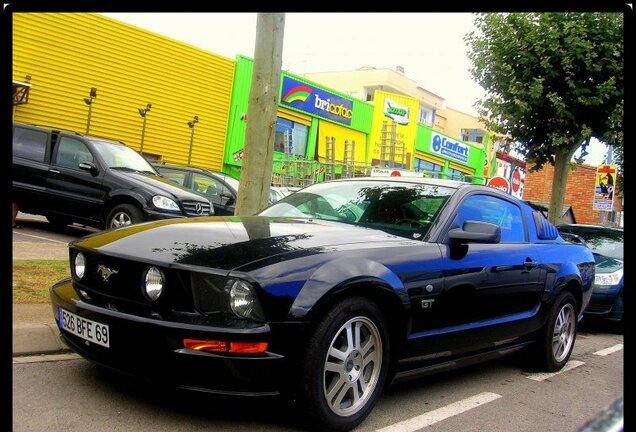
(403, 209)
(603, 241)
(119, 156)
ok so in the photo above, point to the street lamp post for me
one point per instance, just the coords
(89, 101)
(191, 124)
(142, 113)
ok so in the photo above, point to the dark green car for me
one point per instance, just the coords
(607, 246)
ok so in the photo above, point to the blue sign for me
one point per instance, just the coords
(450, 148)
(317, 101)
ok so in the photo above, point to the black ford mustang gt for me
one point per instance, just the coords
(328, 295)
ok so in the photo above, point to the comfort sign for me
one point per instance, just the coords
(450, 148)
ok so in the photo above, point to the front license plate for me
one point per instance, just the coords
(91, 331)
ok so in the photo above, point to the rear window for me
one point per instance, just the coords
(607, 242)
(29, 144)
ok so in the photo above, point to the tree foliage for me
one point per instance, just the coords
(552, 82)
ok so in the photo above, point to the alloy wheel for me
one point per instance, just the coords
(563, 333)
(352, 366)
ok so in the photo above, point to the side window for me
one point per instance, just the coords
(71, 152)
(206, 185)
(497, 211)
(29, 144)
(173, 175)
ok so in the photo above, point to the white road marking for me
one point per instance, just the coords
(542, 376)
(38, 237)
(609, 350)
(45, 358)
(440, 414)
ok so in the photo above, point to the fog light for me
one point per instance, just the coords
(223, 346)
(153, 283)
(79, 265)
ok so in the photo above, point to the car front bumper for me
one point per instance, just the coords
(154, 215)
(606, 302)
(152, 349)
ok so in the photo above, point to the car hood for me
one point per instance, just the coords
(225, 243)
(155, 184)
(605, 264)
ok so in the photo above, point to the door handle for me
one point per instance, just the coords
(530, 264)
(54, 171)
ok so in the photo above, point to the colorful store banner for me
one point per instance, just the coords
(604, 187)
(314, 100)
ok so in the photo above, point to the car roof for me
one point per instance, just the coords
(187, 168)
(71, 132)
(589, 226)
(419, 180)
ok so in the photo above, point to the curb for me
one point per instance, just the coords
(32, 339)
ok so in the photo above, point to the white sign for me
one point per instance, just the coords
(396, 112)
(450, 148)
(391, 172)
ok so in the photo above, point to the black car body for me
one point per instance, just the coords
(70, 177)
(607, 245)
(221, 189)
(329, 294)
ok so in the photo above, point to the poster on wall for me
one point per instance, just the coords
(604, 187)
(393, 131)
(517, 180)
(515, 175)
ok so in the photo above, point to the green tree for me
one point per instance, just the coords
(552, 82)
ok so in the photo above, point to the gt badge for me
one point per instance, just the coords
(427, 304)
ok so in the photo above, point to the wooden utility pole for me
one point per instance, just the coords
(256, 173)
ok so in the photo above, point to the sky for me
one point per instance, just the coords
(429, 46)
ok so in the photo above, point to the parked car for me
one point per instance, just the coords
(607, 245)
(328, 295)
(221, 189)
(72, 177)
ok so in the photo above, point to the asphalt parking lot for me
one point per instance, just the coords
(35, 238)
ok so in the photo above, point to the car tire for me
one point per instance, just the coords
(58, 221)
(123, 215)
(341, 378)
(559, 334)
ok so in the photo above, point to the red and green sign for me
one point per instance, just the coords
(500, 183)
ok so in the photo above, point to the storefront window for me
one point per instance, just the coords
(430, 168)
(297, 136)
(454, 174)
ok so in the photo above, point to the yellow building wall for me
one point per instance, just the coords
(341, 134)
(406, 131)
(68, 53)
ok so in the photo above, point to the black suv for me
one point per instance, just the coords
(221, 189)
(71, 177)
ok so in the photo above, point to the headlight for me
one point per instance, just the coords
(243, 301)
(608, 278)
(153, 283)
(165, 203)
(79, 265)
